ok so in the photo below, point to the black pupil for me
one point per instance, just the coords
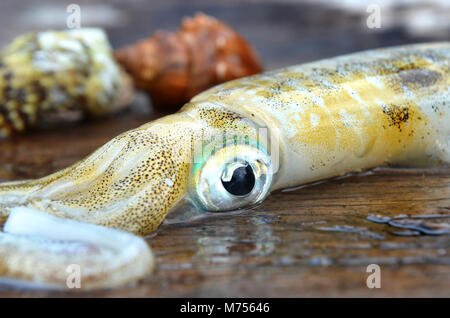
(242, 182)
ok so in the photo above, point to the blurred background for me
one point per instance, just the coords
(284, 32)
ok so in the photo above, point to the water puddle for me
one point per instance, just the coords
(348, 175)
(414, 225)
(363, 231)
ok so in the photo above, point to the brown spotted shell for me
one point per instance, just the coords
(50, 77)
(175, 66)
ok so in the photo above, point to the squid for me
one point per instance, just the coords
(225, 150)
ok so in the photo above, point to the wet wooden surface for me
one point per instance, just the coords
(314, 241)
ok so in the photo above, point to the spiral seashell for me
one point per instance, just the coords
(172, 67)
(53, 76)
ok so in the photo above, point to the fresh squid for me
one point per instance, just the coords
(227, 149)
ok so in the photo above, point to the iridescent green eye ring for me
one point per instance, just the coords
(208, 181)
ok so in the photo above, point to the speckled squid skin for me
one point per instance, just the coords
(329, 117)
(385, 106)
(131, 182)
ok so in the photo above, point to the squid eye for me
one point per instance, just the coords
(234, 177)
(242, 180)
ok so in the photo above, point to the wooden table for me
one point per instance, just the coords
(315, 241)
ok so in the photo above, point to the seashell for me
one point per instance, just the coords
(52, 76)
(175, 66)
